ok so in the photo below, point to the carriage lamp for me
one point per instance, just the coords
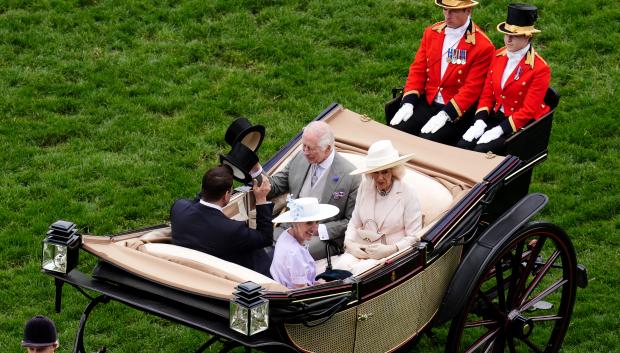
(249, 311)
(61, 247)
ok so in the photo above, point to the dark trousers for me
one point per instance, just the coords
(497, 146)
(448, 134)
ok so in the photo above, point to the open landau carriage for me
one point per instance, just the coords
(506, 283)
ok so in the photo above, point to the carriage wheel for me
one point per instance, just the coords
(524, 298)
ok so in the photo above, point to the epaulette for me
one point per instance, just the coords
(541, 58)
(439, 26)
(470, 34)
(482, 33)
(529, 57)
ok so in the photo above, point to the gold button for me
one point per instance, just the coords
(440, 89)
(542, 105)
(512, 109)
(503, 97)
(523, 83)
(516, 102)
(460, 72)
(428, 79)
(427, 70)
(520, 93)
(458, 80)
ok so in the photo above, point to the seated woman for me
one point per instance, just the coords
(515, 86)
(292, 265)
(387, 212)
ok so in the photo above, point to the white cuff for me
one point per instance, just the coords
(323, 234)
(254, 174)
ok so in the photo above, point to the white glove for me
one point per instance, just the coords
(435, 123)
(355, 249)
(474, 131)
(403, 114)
(491, 135)
(379, 251)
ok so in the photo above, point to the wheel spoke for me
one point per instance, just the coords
(531, 345)
(543, 294)
(511, 345)
(499, 277)
(491, 305)
(543, 271)
(482, 340)
(546, 318)
(481, 323)
(516, 263)
(540, 242)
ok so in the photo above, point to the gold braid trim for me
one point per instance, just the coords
(482, 109)
(411, 92)
(512, 124)
(456, 107)
(439, 27)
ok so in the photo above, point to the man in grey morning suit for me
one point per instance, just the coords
(319, 171)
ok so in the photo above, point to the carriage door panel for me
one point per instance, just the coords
(335, 335)
(394, 317)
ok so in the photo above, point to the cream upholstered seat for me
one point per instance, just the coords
(434, 197)
(208, 263)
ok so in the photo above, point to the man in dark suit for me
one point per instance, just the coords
(201, 225)
(319, 171)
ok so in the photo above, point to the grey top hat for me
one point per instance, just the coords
(39, 332)
(242, 131)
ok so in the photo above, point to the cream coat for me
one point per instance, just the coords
(399, 222)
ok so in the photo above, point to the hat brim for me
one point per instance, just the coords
(441, 4)
(393, 163)
(502, 29)
(325, 211)
(251, 137)
(238, 172)
(37, 345)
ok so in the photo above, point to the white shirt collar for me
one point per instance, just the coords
(458, 31)
(328, 161)
(519, 54)
(209, 204)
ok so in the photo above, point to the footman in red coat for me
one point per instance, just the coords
(515, 86)
(446, 77)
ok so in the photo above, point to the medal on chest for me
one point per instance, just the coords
(457, 56)
(518, 73)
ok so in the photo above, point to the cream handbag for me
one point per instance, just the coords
(368, 234)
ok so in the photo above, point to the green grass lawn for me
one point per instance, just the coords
(110, 110)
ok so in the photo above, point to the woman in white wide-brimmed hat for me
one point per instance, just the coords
(292, 264)
(387, 211)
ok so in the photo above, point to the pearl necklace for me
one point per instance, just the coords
(383, 193)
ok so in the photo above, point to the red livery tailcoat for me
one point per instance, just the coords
(523, 93)
(461, 84)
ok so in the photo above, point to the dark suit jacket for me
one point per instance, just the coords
(340, 189)
(207, 229)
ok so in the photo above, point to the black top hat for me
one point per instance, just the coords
(39, 332)
(520, 20)
(241, 159)
(241, 130)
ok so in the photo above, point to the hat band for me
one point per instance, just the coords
(520, 29)
(456, 3)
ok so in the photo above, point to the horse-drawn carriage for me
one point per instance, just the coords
(506, 283)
